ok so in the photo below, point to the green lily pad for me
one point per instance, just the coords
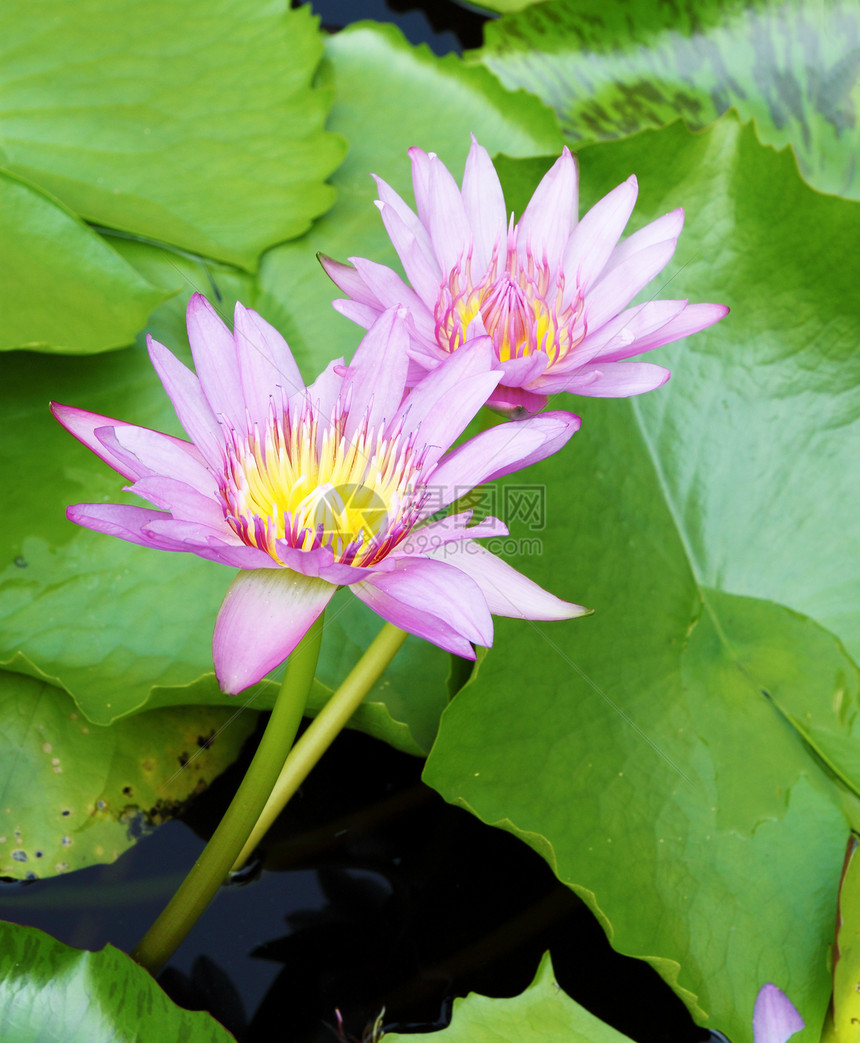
(506, 6)
(686, 757)
(194, 125)
(67, 290)
(609, 70)
(50, 991)
(73, 793)
(542, 1013)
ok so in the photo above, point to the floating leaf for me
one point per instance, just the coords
(612, 69)
(846, 953)
(543, 1012)
(63, 288)
(49, 991)
(505, 6)
(192, 124)
(686, 757)
(73, 793)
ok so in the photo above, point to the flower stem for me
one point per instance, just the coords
(210, 870)
(324, 728)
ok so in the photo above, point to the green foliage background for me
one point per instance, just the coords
(686, 758)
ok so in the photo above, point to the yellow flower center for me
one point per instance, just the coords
(304, 482)
(521, 306)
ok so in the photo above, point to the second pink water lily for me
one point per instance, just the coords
(305, 489)
(552, 291)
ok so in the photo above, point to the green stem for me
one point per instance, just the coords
(211, 868)
(323, 729)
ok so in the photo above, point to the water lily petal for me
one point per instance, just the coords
(440, 208)
(515, 402)
(616, 338)
(484, 203)
(319, 563)
(186, 395)
(160, 531)
(214, 544)
(182, 500)
(390, 290)
(695, 317)
(617, 289)
(151, 452)
(428, 538)
(325, 390)
(375, 379)
(395, 204)
(265, 362)
(347, 278)
(507, 592)
(422, 269)
(523, 371)
(775, 1018)
(608, 380)
(363, 315)
(548, 220)
(432, 600)
(123, 521)
(264, 615)
(421, 163)
(214, 353)
(447, 399)
(669, 226)
(498, 451)
(595, 237)
(84, 425)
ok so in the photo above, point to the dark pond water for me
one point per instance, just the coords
(443, 25)
(374, 893)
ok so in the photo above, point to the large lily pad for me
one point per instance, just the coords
(543, 1012)
(612, 69)
(686, 757)
(192, 124)
(50, 991)
(73, 793)
(63, 287)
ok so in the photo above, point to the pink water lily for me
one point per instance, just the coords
(775, 1019)
(551, 291)
(305, 489)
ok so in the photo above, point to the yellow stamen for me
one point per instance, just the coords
(303, 481)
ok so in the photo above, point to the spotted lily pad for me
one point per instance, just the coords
(73, 793)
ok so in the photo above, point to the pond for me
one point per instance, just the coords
(373, 893)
